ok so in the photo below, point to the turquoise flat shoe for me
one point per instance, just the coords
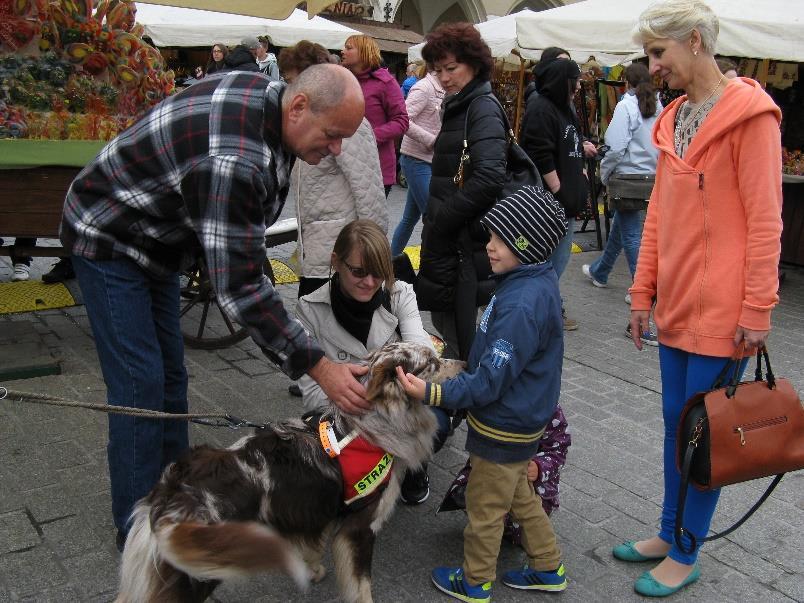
(627, 552)
(648, 586)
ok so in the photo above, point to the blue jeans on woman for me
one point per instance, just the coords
(417, 173)
(625, 235)
(563, 251)
(684, 374)
(135, 321)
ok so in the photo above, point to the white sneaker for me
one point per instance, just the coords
(22, 272)
(588, 274)
(628, 298)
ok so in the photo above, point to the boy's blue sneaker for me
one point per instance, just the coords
(450, 580)
(530, 579)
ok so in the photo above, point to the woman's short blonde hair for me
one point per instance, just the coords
(367, 50)
(372, 244)
(676, 19)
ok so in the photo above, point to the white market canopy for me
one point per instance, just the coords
(760, 29)
(173, 26)
(499, 34)
(266, 9)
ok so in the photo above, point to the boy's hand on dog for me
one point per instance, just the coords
(413, 386)
(341, 386)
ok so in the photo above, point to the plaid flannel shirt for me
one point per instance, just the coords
(203, 172)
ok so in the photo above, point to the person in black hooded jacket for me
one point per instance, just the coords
(551, 137)
(243, 56)
(454, 276)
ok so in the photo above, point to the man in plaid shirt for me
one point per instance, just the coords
(205, 171)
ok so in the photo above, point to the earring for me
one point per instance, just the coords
(695, 52)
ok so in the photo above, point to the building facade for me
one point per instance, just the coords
(421, 16)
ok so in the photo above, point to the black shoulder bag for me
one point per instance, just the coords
(519, 169)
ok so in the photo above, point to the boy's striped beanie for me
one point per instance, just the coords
(530, 221)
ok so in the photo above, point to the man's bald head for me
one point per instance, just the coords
(322, 106)
(327, 86)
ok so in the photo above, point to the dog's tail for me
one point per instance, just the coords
(139, 577)
(229, 550)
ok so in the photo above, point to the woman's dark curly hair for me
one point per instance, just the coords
(464, 42)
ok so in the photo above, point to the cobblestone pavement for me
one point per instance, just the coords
(57, 538)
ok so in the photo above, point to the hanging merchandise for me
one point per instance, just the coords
(71, 70)
(507, 83)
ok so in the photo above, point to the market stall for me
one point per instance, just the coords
(772, 29)
(72, 76)
(764, 37)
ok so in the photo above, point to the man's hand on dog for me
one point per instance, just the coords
(341, 386)
(413, 386)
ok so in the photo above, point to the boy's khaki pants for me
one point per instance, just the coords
(493, 490)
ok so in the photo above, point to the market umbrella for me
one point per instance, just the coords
(267, 9)
(500, 34)
(174, 26)
(770, 29)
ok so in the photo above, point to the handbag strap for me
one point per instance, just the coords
(762, 352)
(769, 376)
(680, 530)
(466, 119)
(464, 159)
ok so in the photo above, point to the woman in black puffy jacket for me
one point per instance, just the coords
(454, 277)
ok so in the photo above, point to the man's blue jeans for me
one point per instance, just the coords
(417, 173)
(135, 321)
(625, 235)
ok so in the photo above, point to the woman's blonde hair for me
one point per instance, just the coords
(372, 244)
(367, 50)
(676, 19)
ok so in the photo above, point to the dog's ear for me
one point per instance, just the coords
(382, 378)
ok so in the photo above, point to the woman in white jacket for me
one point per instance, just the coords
(341, 188)
(423, 104)
(359, 310)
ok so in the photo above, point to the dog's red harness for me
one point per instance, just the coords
(365, 468)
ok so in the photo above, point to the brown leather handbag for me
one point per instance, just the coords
(738, 432)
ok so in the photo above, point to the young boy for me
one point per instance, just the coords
(510, 391)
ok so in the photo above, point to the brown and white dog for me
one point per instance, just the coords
(273, 500)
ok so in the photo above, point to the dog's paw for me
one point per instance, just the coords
(318, 573)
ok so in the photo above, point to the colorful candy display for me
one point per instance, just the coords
(73, 70)
(792, 162)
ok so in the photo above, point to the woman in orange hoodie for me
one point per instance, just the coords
(710, 247)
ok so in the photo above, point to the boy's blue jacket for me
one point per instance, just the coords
(513, 376)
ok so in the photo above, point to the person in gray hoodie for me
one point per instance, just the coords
(266, 61)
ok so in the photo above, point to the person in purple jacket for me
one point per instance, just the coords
(544, 472)
(385, 106)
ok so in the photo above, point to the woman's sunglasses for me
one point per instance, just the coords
(358, 271)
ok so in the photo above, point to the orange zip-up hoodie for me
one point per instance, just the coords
(711, 243)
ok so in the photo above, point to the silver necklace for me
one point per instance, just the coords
(685, 123)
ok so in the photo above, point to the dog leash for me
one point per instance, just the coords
(208, 419)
